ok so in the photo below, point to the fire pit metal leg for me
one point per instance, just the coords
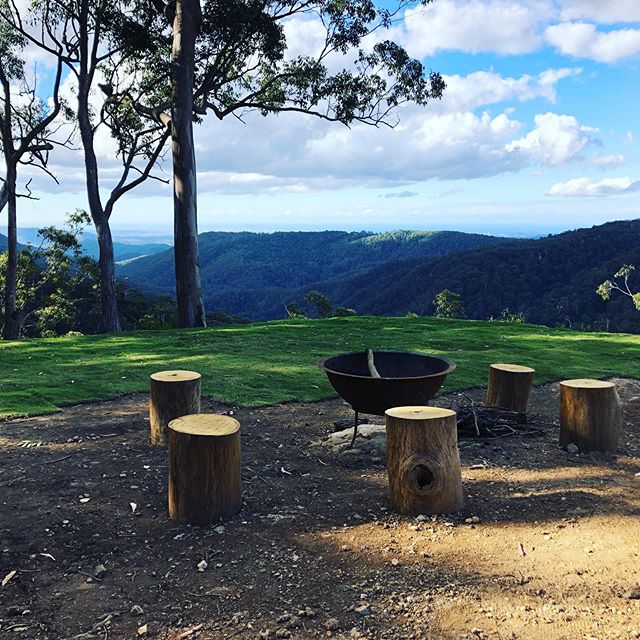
(355, 431)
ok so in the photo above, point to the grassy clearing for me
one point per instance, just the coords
(273, 362)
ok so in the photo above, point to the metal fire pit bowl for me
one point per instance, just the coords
(406, 379)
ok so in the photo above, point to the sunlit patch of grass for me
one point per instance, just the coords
(271, 362)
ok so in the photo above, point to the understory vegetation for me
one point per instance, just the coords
(265, 363)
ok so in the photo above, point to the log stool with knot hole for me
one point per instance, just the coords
(172, 394)
(509, 386)
(204, 468)
(591, 415)
(423, 462)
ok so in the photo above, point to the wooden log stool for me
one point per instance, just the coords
(204, 468)
(591, 415)
(172, 394)
(509, 386)
(423, 462)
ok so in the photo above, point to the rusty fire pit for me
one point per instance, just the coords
(405, 379)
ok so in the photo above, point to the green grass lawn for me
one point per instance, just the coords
(270, 362)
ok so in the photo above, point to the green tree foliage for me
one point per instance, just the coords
(319, 304)
(512, 317)
(343, 312)
(620, 283)
(448, 304)
(50, 278)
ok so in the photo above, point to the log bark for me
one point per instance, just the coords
(204, 468)
(423, 462)
(591, 415)
(173, 394)
(509, 386)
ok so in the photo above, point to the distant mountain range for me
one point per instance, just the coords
(551, 280)
(273, 265)
(124, 250)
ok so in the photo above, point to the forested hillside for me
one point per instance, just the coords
(236, 262)
(550, 280)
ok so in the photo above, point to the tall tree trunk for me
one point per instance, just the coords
(12, 321)
(108, 299)
(4, 197)
(106, 261)
(186, 25)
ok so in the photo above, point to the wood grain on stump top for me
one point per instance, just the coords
(419, 413)
(587, 383)
(176, 375)
(205, 424)
(513, 368)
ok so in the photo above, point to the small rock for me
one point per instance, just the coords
(137, 610)
(219, 529)
(14, 611)
(283, 633)
(332, 624)
(633, 594)
(202, 565)
(421, 518)
(143, 630)
(472, 520)
(572, 448)
(100, 571)
(363, 610)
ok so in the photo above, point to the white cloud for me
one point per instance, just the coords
(474, 26)
(556, 139)
(585, 187)
(602, 11)
(582, 40)
(608, 161)
(483, 88)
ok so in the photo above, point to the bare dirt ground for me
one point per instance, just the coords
(315, 551)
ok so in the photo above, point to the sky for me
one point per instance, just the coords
(538, 132)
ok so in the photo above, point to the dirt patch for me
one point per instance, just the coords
(315, 551)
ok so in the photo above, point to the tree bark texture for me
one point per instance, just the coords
(591, 415)
(509, 386)
(4, 197)
(204, 468)
(423, 462)
(186, 26)
(108, 284)
(173, 394)
(108, 298)
(12, 317)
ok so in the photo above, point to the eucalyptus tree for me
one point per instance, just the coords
(27, 135)
(231, 56)
(98, 41)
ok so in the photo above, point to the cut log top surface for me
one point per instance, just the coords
(205, 424)
(419, 413)
(587, 383)
(513, 368)
(175, 376)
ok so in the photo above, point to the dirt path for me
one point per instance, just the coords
(315, 552)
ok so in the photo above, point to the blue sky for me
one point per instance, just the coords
(538, 132)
